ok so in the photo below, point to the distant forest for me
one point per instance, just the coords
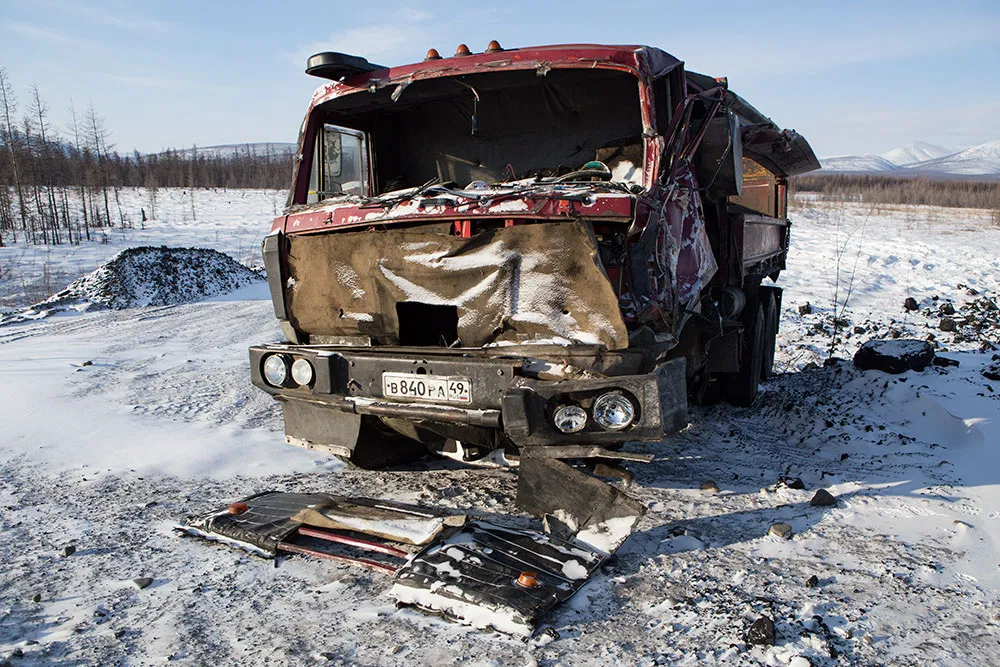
(57, 186)
(878, 189)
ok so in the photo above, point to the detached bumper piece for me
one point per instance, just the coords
(488, 576)
(476, 573)
(324, 526)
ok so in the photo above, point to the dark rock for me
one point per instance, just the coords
(992, 372)
(37, 597)
(87, 363)
(823, 498)
(948, 324)
(910, 304)
(761, 632)
(945, 361)
(782, 530)
(805, 309)
(68, 550)
(709, 485)
(791, 483)
(142, 582)
(946, 308)
(896, 356)
(812, 582)
(859, 330)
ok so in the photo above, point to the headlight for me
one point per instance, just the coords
(570, 419)
(614, 411)
(302, 372)
(276, 370)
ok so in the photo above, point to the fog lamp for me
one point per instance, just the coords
(614, 411)
(302, 372)
(570, 419)
(276, 370)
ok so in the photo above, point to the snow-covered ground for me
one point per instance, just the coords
(107, 456)
(230, 221)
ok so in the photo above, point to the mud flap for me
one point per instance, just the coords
(574, 503)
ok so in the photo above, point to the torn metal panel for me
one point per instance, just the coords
(578, 500)
(504, 285)
(672, 260)
(488, 576)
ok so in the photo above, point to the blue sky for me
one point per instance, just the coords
(853, 77)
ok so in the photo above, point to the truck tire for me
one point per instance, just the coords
(772, 315)
(379, 446)
(742, 389)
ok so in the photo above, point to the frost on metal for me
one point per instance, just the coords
(505, 285)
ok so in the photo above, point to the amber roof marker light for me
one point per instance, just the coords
(463, 50)
(432, 54)
(493, 47)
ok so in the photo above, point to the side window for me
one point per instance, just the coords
(340, 164)
(662, 102)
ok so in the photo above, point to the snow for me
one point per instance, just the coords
(857, 163)
(981, 160)
(164, 423)
(918, 151)
(230, 221)
(923, 158)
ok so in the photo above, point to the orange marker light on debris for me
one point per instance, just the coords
(493, 47)
(432, 54)
(463, 50)
(238, 508)
(528, 579)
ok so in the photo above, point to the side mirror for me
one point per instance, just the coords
(718, 162)
(332, 151)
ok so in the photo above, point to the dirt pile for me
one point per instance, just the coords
(147, 276)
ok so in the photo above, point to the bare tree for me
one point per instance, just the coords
(8, 107)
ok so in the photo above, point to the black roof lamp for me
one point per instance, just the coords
(335, 66)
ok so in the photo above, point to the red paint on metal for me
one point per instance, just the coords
(355, 542)
(606, 207)
(363, 562)
(463, 228)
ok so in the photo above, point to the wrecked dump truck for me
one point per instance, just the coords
(540, 252)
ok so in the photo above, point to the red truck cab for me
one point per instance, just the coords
(546, 247)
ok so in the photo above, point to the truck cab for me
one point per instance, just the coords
(546, 247)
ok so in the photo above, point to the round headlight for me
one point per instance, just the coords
(614, 411)
(276, 370)
(302, 372)
(570, 419)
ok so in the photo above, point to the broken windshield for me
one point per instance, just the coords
(495, 127)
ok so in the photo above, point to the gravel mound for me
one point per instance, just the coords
(147, 276)
(162, 276)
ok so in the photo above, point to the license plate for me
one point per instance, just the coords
(442, 389)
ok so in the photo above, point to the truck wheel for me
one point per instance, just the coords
(772, 314)
(379, 446)
(742, 390)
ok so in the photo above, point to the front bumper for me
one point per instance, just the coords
(348, 381)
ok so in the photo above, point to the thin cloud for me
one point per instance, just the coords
(51, 36)
(403, 38)
(113, 18)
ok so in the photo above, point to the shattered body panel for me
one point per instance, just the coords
(479, 573)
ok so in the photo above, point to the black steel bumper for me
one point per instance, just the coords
(348, 381)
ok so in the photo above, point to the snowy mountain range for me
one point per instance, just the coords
(923, 158)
